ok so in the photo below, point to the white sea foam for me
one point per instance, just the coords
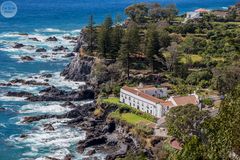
(56, 142)
(55, 80)
(2, 125)
(50, 30)
(8, 98)
(59, 81)
(43, 108)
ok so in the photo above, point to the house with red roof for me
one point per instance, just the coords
(148, 99)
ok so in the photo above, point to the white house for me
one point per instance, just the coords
(145, 99)
(193, 15)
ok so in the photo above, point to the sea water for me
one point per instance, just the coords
(41, 19)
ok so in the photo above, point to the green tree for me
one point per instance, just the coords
(171, 12)
(137, 12)
(173, 58)
(219, 135)
(91, 35)
(130, 45)
(184, 121)
(116, 37)
(104, 37)
(227, 77)
(153, 45)
(223, 131)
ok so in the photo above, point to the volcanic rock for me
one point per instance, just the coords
(18, 45)
(27, 58)
(69, 55)
(36, 118)
(41, 50)
(48, 127)
(2, 109)
(52, 39)
(34, 39)
(19, 94)
(79, 69)
(59, 48)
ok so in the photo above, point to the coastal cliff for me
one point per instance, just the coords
(79, 68)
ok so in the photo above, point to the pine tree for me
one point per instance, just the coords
(91, 35)
(104, 37)
(130, 45)
(153, 45)
(116, 37)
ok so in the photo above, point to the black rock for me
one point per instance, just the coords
(52, 39)
(59, 48)
(92, 142)
(68, 104)
(45, 56)
(23, 136)
(19, 94)
(34, 39)
(48, 127)
(2, 109)
(70, 38)
(79, 69)
(47, 75)
(26, 58)
(91, 152)
(41, 50)
(5, 84)
(69, 55)
(36, 118)
(71, 114)
(68, 157)
(18, 45)
(76, 120)
(54, 94)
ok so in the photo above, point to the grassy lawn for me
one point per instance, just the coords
(218, 58)
(194, 58)
(131, 118)
(112, 100)
(221, 23)
(198, 58)
(130, 114)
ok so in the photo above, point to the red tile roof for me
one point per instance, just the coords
(180, 100)
(184, 100)
(143, 95)
(201, 10)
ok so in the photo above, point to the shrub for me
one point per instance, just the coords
(195, 77)
(207, 101)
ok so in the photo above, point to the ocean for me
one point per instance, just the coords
(41, 19)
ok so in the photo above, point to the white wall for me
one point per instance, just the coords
(140, 103)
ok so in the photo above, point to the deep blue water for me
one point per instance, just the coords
(43, 18)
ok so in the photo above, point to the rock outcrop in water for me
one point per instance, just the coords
(79, 69)
(54, 94)
(26, 58)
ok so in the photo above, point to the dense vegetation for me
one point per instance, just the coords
(204, 137)
(200, 55)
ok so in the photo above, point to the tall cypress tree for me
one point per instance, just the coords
(104, 37)
(91, 35)
(130, 45)
(153, 44)
(116, 38)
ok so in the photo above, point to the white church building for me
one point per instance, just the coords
(147, 99)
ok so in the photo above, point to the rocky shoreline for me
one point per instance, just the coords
(103, 134)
